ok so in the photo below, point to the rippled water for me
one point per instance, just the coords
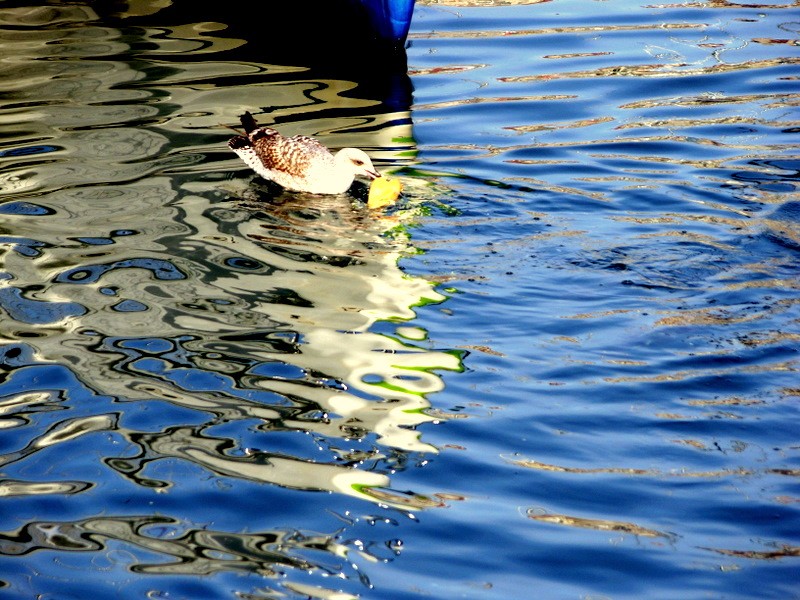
(564, 366)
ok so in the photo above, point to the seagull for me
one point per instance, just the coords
(299, 163)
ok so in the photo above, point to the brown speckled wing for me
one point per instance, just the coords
(288, 155)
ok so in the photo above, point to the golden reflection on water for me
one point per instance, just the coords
(784, 551)
(678, 472)
(660, 70)
(550, 31)
(133, 255)
(382, 381)
(781, 100)
(596, 524)
(779, 4)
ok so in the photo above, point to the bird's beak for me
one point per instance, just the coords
(373, 174)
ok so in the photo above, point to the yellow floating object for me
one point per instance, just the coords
(383, 192)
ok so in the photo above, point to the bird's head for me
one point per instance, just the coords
(358, 161)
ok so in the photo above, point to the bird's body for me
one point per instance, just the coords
(299, 163)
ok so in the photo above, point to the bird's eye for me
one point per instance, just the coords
(358, 162)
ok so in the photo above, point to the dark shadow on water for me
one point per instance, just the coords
(331, 39)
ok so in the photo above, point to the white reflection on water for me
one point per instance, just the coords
(183, 283)
(128, 266)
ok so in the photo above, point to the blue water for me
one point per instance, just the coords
(564, 365)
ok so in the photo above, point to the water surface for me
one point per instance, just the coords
(565, 365)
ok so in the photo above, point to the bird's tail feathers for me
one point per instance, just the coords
(248, 122)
